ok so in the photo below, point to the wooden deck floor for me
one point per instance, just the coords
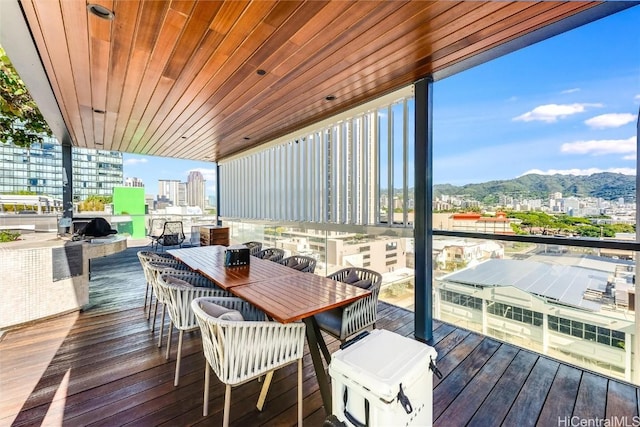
(102, 367)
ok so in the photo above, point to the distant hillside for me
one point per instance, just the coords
(609, 186)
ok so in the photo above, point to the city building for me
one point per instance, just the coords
(168, 191)
(381, 255)
(196, 188)
(182, 195)
(577, 313)
(95, 172)
(133, 182)
(475, 222)
(335, 250)
(150, 201)
(453, 254)
(29, 204)
(39, 170)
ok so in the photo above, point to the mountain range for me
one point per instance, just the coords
(605, 185)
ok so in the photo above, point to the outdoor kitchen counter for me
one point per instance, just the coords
(43, 275)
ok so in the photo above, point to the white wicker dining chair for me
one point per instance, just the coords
(342, 322)
(242, 350)
(178, 290)
(145, 258)
(191, 278)
(155, 270)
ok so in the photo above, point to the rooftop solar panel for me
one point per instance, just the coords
(564, 283)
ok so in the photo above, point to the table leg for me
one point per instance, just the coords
(314, 349)
(321, 344)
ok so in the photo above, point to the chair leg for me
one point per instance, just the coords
(207, 375)
(164, 308)
(264, 390)
(169, 340)
(155, 314)
(175, 381)
(227, 406)
(300, 392)
(146, 293)
(150, 304)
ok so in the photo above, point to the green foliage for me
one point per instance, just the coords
(22, 193)
(622, 228)
(20, 119)
(517, 229)
(542, 223)
(609, 186)
(94, 203)
(572, 220)
(454, 265)
(8, 236)
(99, 198)
(535, 222)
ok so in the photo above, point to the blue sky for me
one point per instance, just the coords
(151, 168)
(565, 105)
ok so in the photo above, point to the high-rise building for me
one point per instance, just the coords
(39, 170)
(182, 194)
(196, 190)
(169, 189)
(133, 182)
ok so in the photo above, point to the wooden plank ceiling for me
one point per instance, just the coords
(181, 78)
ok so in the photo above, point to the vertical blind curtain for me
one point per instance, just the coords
(355, 171)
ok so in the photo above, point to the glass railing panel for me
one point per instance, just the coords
(573, 303)
(140, 226)
(29, 222)
(384, 250)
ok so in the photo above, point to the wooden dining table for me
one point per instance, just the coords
(209, 261)
(283, 293)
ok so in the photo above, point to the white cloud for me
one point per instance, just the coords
(611, 120)
(135, 161)
(630, 156)
(552, 112)
(589, 171)
(601, 147)
(573, 90)
(637, 97)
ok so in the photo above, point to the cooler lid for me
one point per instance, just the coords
(382, 360)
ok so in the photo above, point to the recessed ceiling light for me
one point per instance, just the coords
(95, 110)
(330, 97)
(261, 72)
(101, 11)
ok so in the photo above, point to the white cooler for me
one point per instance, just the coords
(387, 381)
